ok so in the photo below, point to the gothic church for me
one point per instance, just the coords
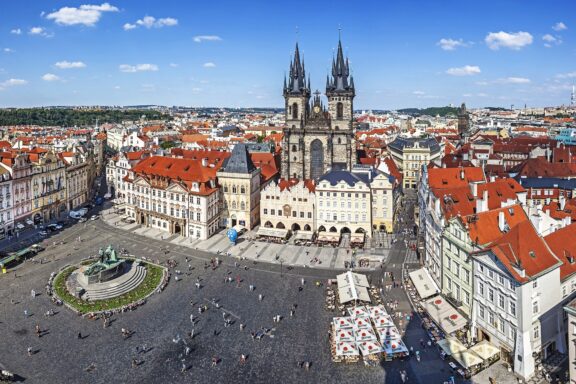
(318, 139)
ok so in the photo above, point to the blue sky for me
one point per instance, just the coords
(235, 53)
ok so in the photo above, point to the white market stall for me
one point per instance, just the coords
(444, 314)
(423, 283)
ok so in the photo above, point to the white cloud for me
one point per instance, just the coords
(87, 15)
(560, 26)
(482, 95)
(418, 93)
(513, 80)
(466, 70)
(16, 31)
(551, 40)
(12, 83)
(451, 44)
(209, 65)
(201, 38)
(117, 87)
(151, 22)
(70, 64)
(569, 75)
(8, 50)
(39, 31)
(173, 65)
(50, 77)
(513, 40)
(138, 68)
(196, 89)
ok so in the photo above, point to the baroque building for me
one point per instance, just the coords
(318, 139)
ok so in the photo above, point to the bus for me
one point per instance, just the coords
(14, 257)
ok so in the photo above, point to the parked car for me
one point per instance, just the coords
(29, 222)
(52, 227)
(82, 220)
(20, 226)
(94, 217)
(59, 227)
(43, 233)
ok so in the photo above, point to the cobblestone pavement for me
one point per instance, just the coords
(103, 356)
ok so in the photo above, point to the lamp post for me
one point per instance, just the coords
(281, 264)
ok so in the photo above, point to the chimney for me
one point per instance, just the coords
(205, 162)
(461, 173)
(501, 221)
(474, 189)
(492, 178)
(562, 201)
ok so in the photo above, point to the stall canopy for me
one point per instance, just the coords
(368, 347)
(346, 349)
(485, 350)
(451, 345)
(357, 238)
(343, 323)
(304, 235)
(272, 232)
(359, 311)
(329, 237)
(444, 314)
(467, 359)
(352, 286)
(423, 283)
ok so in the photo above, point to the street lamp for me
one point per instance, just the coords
(281, 264)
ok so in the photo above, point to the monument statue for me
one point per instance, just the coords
(108, 265)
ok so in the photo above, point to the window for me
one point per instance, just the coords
(339, 111)
(535, 284)
(242, 190)
(294, 111)
(501, 326)
(449, 283)
(564, 293)
(265, 211)
(309, 215)
(466, 297)
(536, 332)
(466, 275)
(491, 317)
(513, 308)
(501, 279)
(491, 295)
(535, 307)
(491, 273)
(448, 263)
(293, 213)
(501, 301)
(481, 312)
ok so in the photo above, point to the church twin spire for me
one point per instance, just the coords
(296, 83)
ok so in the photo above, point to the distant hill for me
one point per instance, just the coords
(68, 117)
(431, 111)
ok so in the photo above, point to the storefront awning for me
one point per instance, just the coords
(351, 293)
(357, 237)
(304, 235)
(451, 345)
(423, 283)
(467, 359)
(329, 237)
(485, 350)
(272, 232)
(444, 314)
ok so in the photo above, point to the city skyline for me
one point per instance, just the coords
(413, 54)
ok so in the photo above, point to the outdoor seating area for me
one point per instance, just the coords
(447, 328)
(328, 238)
(368, 332)
(357, 240)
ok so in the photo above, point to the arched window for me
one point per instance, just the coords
(233, 205)
(339, 141)
(242, 206)
(294, 148)
(294, 111)
(242, 190)
(294, 158)
(339, 111)
(233, 189)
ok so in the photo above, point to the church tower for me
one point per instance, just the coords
(318, 139)
(296, 93)
(340, 92)
(463, 121)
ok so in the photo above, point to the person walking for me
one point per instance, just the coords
(214, 361)
(260, 297)
(29, 351)
(79, 335)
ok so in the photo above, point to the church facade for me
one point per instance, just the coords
(317, 138)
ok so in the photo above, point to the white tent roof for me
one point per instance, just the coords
(394, 346)
(366, 334)
(451, 345)
(359, 311)
(343, 323)
(344, 335)
(383, 322)
(369, 347)
(390, 333)
(346, 349)
(377, 311)
(467, 359)
(485, 350)
(352, 286)
(444, 314)
(423, 283)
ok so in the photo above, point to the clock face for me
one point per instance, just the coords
(316, 109)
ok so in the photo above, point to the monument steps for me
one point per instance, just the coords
(128, 282)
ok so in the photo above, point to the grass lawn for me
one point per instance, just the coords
(150, 283)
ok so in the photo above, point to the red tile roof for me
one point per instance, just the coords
(269, 164)
(453, 177)
(563, 245)
(483, 227)
(540, 167)
(522, 248)
(289, 183)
